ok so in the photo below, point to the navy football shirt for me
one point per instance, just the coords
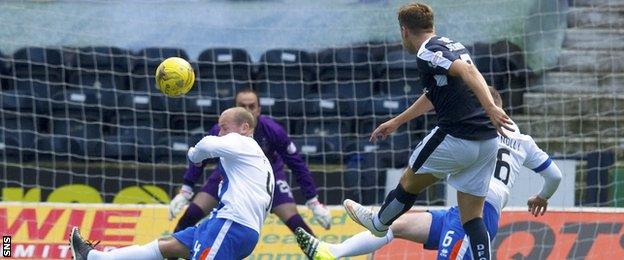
(458, 110)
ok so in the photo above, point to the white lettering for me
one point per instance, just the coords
(46, 251)
(64, 249)
(24, 251)
(455, 46)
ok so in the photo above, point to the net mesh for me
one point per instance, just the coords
(86, 113)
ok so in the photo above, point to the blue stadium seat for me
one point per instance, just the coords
(316, 149)
(81, 102)
(363, 182)
(77, 134)
(394, 151)
(346, 63)
(19, 133)
(133, 143)
(346, 74)
(22, 100)
(386, 105)
(77, 123)
(136, 131)
(44, 64)
(285, 64)
(285, 77)
(282, 98)
(141, 101)
(102, 59)
(399, 75)
(333, 130)
(101, 67)
(4, 72)
(224, 71)
(37, 73)
(175, 148)
(225, 63)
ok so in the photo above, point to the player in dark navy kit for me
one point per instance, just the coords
(276, 145)
(462, 148)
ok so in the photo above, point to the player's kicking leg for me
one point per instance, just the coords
(411, 226)
(155, 250)
(398, 201)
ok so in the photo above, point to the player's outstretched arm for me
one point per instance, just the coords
(421, 106)
(552, 177)
(473, 78)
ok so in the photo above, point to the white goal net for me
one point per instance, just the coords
(81, 120)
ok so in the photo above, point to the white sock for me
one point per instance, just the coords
(360, 244)
(148, 251)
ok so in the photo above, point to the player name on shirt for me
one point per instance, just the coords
(513, 144)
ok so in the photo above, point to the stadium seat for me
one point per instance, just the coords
(346, 63)
(19, 133)
(225, 63)
(363, 182)
(100, 68)
(281, 64)
(220, 91)
(282, 98)
(82, 102)
(175, 148)
(316, 149)
(44, 64)
(328, 129)
(399, 75)
(193, 122)
(141, 101)
(135, 132)
(224, 71)
(22, 100)
(37, 74)
(346, 75)
(503, 66)
(77, 123)
(285, 77)
(102, 59)
(4, 72)
(394, 151)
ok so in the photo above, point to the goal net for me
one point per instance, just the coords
(81, 120)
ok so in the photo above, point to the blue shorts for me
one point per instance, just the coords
(218, 238)
(446, 233)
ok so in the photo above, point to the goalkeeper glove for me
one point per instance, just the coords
(179, 201)
(320, 212)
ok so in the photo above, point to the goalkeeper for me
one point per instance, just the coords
(276, 145)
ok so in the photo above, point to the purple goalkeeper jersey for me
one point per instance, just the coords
(277, 147)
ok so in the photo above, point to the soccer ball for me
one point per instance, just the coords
(174, 77)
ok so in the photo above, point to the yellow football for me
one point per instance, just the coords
(174, 77)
